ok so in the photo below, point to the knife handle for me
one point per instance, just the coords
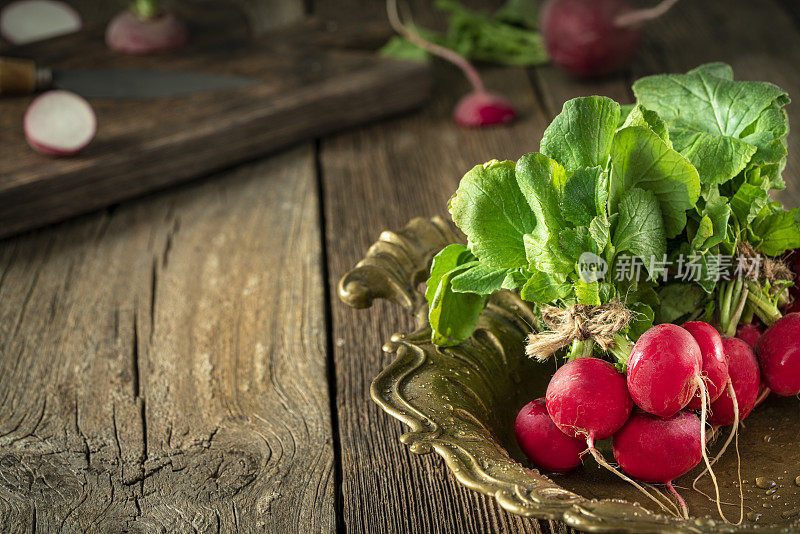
(22, 76)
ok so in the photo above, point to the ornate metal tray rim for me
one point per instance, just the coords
(392, 269)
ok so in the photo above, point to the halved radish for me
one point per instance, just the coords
(59, 123)
(26, 21)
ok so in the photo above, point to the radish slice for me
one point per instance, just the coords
(59, 123)
(26, 21)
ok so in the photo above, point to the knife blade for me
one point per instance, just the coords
(22, 76)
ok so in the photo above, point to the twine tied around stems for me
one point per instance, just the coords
(770, 268)
(581, 322)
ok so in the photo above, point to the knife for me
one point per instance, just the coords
(24, 76)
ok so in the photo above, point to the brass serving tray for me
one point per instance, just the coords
(460, 402)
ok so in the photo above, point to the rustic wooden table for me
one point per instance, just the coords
(182, 363)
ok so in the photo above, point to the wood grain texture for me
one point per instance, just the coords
(159, 370)
(405, 168)
(300, 92)
(410, 167)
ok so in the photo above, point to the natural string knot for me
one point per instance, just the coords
(581, 322)
(770, 269)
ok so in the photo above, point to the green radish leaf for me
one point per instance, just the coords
(576, 241)
(452, 316)
(624, 111)
(446, 260)
(716, 158)
(600, 230)
(490, 209)
(480, 279)
(778, 232)
(748, 201)
(587, 293)
(640, 227)
(545, 254)
(718, 69)
(678, 301)
(639, 158)
(712, 229)
(642, 320)
(579, 199)
(641, 116)
(703, 101)
(542, 288)
(515, 279)
(580, 136)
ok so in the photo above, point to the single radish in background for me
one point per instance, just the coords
(591, 38)
(778, 351)
(657, 449)
(749, 333)
(543, 443)
(27, 21)
(479, 107)
(145, 29)
(715, 364)
(588, 398)
(59, 123)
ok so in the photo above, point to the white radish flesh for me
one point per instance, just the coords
(27, 21)
(59, 123)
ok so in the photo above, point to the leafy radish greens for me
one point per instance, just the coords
(686, 170)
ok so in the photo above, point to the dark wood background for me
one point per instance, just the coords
(181, 363)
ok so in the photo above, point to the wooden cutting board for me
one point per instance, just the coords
(308, 85)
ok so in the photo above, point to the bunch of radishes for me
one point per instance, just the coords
(651, 414)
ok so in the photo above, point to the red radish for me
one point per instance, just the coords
(655, 449)
(664, 370)
(143, 29)
(745, 382)
(543, 443)
(478, 108)
(26, 21)
(749, 333)
(59, 123)
(587, 397)
(663, 376)
(594, 37)
(778, 352)
(482, 109)
(715, 364)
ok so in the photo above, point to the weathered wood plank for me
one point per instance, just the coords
(375, 178)
(160, 371)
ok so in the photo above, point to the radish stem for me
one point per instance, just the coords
(733, 322)
(145, 9)
(637, 16)
(445, 53)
